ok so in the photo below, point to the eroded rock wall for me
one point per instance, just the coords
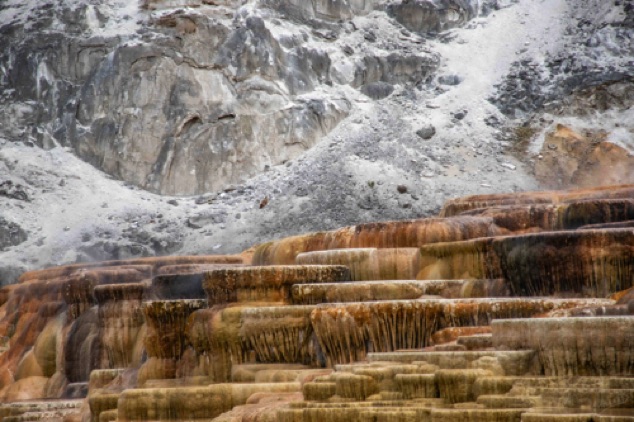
(187, 97)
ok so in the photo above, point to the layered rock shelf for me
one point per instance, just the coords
(348, 331)
(510, 308)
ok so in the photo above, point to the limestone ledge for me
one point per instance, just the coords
(572, 346)
(346, 332)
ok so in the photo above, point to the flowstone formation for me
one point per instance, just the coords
(512, 307)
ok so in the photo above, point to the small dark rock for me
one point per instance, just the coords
(193, 224)
(401, 189)
(173, 202)
(347, 50)
(450, 80)
(325, 34)
(426, 132)
(369, 36)
(459, 115)
(377, 90)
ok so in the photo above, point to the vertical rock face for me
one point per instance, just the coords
(572, 346)
(165, 339)
(470, 259)
(347, 332)
(267, 284)
(281, 334)
(368, 264)
(143, 105)
(587, 262)
(177, 99)
(166, 322)
(121, 324)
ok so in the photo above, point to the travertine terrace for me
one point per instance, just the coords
(514, 307)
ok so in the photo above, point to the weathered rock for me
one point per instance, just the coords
(447, 335)
(397, 290)
(456, 385)
(183, 281)
(11, 234)
(440, 349)
(368, 264)
(166, 321)
(553, 217)
(535, 264)
(511, 362)
(121, 324)
(470, 259)
(572, 159)
(595, 263)
(215, 336)
(155, 262)
(571, 346)
(190, 403)
(395, 234)
(281, 335)
(426, 132)
(377, 90)
(190, 76)
(456, 206)
(393, 69)
(346, 332)
(432, 15)
(317, 10)
(266, 284)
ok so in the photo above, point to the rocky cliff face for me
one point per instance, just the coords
(273, 112)
(189, 100)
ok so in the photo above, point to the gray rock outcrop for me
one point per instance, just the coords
(187, 97)
(432, 15)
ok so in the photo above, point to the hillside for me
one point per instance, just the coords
(189, 127)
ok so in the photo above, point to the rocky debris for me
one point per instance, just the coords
(532, 85)
(11, 234)
(449, 80)
(13, 191)
(317, 11)
(377, 90)
(426, 132)
(394, 69)
(432, 16)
